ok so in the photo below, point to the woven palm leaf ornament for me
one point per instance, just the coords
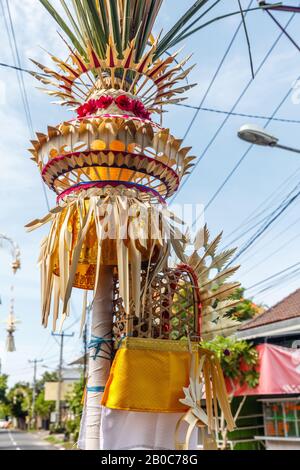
(113, 168)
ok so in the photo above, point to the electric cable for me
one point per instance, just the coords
(219, 129)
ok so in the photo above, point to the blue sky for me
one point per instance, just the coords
(258, 177)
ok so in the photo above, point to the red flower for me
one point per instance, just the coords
(146, 115)
(87, 108)
(139, 110)
(92, 107)
(83, 110)
(124, 103)
(104, 102)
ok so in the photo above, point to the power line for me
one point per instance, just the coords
(246, 231)
(214, 77)
(282, 286)
(184, 105)
(16, 57)
(242, 158)
(237, 165)
(273, 239)
(273, 253)
(251, 116)
(19, 69)
(273, 217)
(232, 109)
(254, 215)
(211, 85)
(280, 281)
(273, 276)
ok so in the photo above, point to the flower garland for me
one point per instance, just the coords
(123, 102)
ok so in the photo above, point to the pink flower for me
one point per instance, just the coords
(124, 103)
(104, 102)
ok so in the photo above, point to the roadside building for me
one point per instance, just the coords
(274, 417)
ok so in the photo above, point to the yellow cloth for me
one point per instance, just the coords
(146, 376)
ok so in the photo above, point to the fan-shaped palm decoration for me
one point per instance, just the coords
(214, 291)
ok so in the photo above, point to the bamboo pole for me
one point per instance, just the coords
(100, 355)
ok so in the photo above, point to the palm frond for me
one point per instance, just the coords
(181, 37)
(113, 12)
(222, 293)
(60, 21)
(72, 21)
(94, 22)
(167, 39)
(219, 261)
(100, 35)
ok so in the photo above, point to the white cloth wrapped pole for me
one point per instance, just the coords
(130, 430)
(100, 352)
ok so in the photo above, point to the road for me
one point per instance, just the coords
(17, 440)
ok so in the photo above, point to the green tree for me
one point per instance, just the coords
(246, 309)
(44, 408)
(47, 377)
(4, 405)
(20, 398)
(239, 359)
(3, 388)
(75, 403)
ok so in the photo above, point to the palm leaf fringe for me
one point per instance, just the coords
(215, 292)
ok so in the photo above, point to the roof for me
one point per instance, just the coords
(71, 374)
(287, 308)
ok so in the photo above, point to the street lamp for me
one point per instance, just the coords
(256, 135)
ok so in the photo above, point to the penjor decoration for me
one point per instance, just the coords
(113, 168)
(15, 266)
(11, 329)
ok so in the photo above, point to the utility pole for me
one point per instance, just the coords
(35, 362)
(62, 336)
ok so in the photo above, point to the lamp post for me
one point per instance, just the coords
(256, 135)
